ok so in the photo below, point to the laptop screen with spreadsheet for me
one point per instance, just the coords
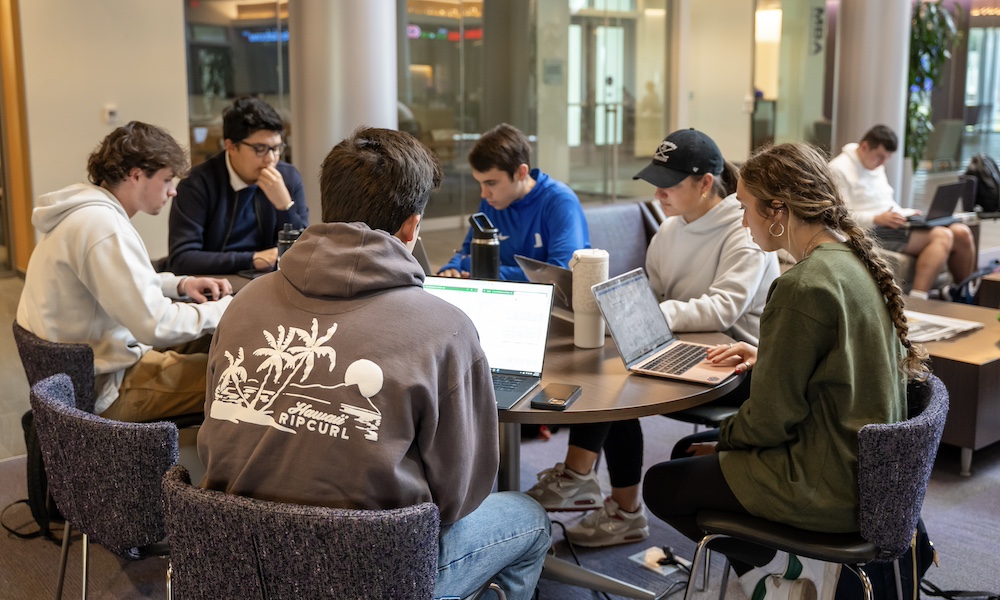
(512, 318)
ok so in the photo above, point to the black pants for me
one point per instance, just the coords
(622, 440)
(622, 445)
(677, 489)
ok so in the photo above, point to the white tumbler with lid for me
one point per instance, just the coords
(590, 267)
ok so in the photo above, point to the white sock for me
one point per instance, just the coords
(918, 294)
(750, 579)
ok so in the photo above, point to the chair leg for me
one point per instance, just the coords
(899, 580)
(170, 589)
(64, 555)
(86, 561)
(498, 591)
(705, 572)
(866, 583)
(699, 554)
(725, 579)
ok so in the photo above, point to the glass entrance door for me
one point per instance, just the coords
(615, 107)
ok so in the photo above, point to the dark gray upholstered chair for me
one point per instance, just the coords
(104, 475)
(624, 230)
(227, 546)
(894, 466)
(43, 359)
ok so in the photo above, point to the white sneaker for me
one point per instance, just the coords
(778, 588)
(610, 526)
(560, 488)
(756, 577)
(824, 575)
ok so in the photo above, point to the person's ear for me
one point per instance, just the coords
(230, 145)
(135, 174)
(522, 173)
(706, 184)
(407, 232)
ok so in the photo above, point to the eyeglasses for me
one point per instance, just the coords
(262, 149)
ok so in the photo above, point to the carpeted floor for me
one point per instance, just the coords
(961, 514)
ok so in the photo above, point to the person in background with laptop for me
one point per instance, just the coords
(860, 172)
(834, 356)
(536, 215)
(338, 381)
(228, 212)
(708, 276)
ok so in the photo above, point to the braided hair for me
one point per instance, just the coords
(797, 175)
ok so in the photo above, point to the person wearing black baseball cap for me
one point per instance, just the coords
(708, 275)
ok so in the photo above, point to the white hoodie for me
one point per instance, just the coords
(866, 192)
(709, 275)
(90, 280)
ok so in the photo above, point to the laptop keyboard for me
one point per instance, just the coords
(678, 359)
(505, 383)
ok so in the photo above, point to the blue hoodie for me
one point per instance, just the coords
(547, 224)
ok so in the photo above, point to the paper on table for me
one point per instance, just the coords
(930, 328)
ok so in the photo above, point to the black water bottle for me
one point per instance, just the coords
(485, 248)
(287, 237)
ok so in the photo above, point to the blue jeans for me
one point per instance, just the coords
(505, 539)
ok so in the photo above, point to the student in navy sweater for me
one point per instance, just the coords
(536, 215)
(228, 212)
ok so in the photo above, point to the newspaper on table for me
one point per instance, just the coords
(925, 327)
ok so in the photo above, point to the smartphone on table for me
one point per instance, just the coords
(556, 396)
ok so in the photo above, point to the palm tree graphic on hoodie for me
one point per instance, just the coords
(286, 368)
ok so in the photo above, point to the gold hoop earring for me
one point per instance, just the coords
(771, 229)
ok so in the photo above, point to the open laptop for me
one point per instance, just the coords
(513, 323)
(562, 279)
(942, 207)
(643, 337)
(420, 253)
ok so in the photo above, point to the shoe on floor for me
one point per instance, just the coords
(824, 575)
(560, 488)
(609, 526)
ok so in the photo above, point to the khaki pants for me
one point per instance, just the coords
(164, 383)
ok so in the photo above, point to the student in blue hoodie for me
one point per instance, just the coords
(536, 215)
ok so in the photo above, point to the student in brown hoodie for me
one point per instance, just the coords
(338, 381)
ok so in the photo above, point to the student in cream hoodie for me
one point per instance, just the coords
(90, 280)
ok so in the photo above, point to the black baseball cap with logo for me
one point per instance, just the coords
(683, 153)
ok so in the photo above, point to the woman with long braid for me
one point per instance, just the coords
(834, 356)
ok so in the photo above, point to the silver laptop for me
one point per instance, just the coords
(513, 323)
(420, 253)
(643, 337)
(942, 207)
(561, 278)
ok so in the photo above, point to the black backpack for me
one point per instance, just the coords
(39, 501)
(987, 175)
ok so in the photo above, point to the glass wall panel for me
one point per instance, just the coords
(234, 48)
(982, 85)
(789, 72)
(441, 89)
(616, 106)
(585, 79)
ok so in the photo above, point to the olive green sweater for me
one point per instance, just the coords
(828, 365)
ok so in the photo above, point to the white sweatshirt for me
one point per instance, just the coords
(90, 280)
(709, 274)
(866, 192)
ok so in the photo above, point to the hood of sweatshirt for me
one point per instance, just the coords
(53, 207)
(344, 260)
(720, 216)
